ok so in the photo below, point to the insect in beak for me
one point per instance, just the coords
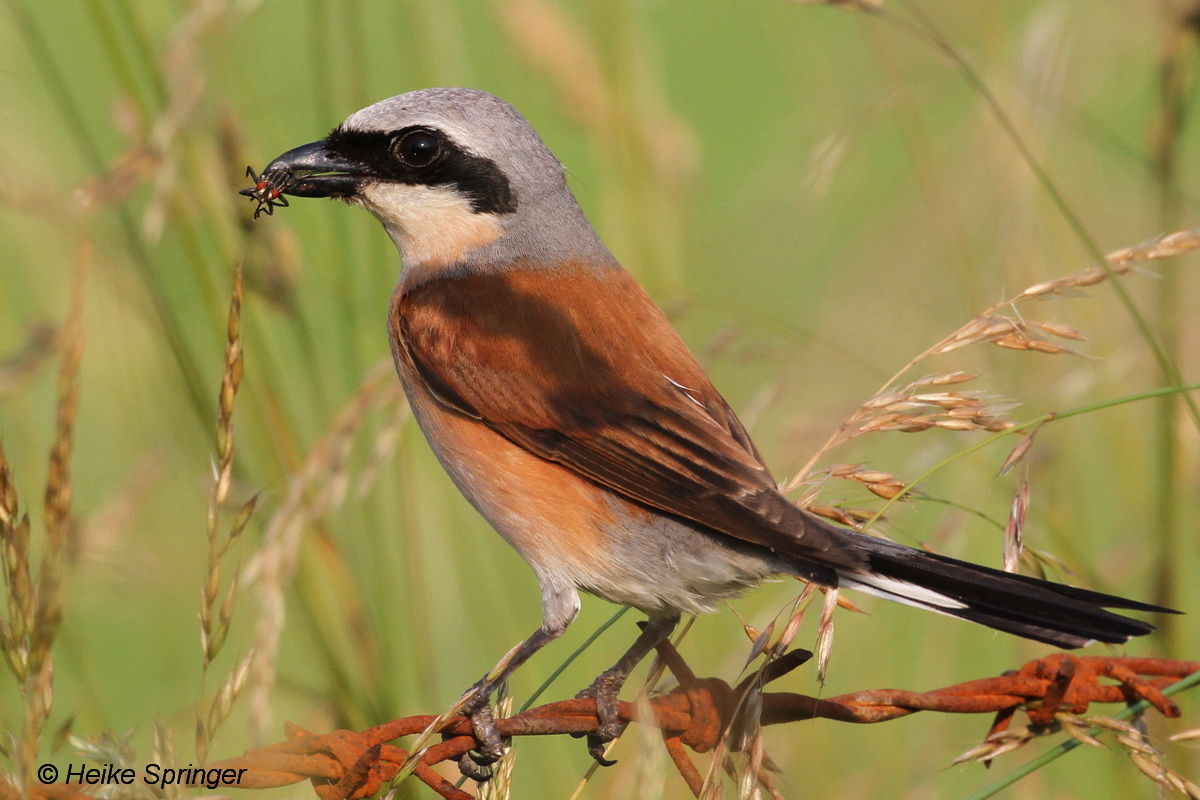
(268, 190)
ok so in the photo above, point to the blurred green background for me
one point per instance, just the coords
(815, 194)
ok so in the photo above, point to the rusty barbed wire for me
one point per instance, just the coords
(345, 765)
(697, 715)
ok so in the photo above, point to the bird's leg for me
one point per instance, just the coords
(605, 689)
(559, 607)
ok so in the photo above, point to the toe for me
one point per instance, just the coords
(470, 767)
(489, 744)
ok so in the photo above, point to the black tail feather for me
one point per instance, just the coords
(1053, 613)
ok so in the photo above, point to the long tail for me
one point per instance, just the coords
(1035, 609)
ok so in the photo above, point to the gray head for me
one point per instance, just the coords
(456, 176)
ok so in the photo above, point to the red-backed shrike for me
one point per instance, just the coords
(572, 416)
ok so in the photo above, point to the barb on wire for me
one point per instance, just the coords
(698, 715)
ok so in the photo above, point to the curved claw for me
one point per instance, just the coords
(604, 691)
(596, 747)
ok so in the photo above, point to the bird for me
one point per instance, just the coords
(569, 412)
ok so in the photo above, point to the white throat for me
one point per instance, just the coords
(430, 225)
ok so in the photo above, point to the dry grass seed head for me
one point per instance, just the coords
(212, 637)
(34, 603)
(877, 414)
(1018, 452)
(999, 744)
(760, 642)
(1122, 262)
(850, 517)
(825, 633)
(1110, 723)
(214, 628)
(15, 628)
(1148, 760)
(1013, 538)
(1077, 728)
(1190, 735)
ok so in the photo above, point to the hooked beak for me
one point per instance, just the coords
(313, 170)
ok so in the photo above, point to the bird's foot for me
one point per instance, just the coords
(604, 691)
(477, 764)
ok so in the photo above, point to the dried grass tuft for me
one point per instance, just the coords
(1147, 758)
(215, 620)
(911, 409)
(1121, 262)
(740, 753)
(1084, 730)
(34, 602)
(934, 402)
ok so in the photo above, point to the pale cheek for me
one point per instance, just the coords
(429, 225)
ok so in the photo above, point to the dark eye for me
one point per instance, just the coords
(418, 148)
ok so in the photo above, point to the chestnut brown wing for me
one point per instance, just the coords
(577, 365)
